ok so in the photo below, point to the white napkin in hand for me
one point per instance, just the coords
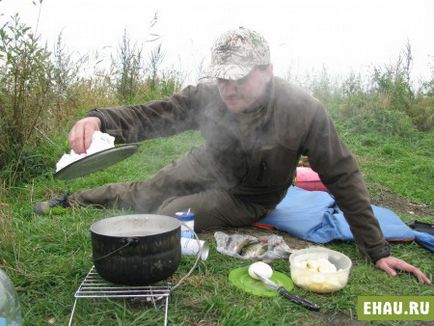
(100, 142)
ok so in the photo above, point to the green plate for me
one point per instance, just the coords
(241, 279)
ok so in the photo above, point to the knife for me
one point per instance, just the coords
(293, 297)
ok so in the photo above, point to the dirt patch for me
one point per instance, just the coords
(401, 205)
(338, 318)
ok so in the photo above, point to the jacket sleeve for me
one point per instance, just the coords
(339, 171)
(154, 119)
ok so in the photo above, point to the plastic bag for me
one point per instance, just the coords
(244, 246)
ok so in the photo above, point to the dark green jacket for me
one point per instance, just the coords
(259, 162)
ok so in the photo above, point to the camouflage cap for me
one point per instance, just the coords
(236, 52)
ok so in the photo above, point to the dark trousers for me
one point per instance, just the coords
(189, 183)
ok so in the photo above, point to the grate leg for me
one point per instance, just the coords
(166, 310)
(72, 313)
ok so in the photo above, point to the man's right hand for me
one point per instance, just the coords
(81, 133)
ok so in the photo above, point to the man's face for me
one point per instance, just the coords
(245, 93)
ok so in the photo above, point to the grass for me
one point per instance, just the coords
(403, 166)
(47, 257)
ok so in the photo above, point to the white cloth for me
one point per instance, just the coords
(100, 142)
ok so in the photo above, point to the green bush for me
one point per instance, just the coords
(382, 122)
(25, 92)
(386, 101)
(422, 110)
(128, 70)
(422, 113)
(65, 75)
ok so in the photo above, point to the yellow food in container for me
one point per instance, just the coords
(319, 269)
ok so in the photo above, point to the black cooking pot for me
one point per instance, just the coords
(136, 249)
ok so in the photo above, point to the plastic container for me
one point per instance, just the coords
(186, 218)
(319, 269)
(10, 312)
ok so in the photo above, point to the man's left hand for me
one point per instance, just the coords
(388, 264)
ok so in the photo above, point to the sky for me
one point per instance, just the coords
(304, 35)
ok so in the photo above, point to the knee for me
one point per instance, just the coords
(176, 204)
(167, 208)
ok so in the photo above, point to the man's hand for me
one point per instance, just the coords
(388, 264)
(80, 135)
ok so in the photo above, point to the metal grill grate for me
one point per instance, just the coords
(93, 287)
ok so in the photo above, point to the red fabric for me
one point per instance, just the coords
(308, 179)
(264, 226)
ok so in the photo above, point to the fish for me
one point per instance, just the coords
(254, 250)
(240, 247)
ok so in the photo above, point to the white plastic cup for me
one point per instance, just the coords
(191, 247)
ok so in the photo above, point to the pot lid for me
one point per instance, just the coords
(241, 279)
(135, 225)
(96, 161)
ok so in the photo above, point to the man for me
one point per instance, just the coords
(256, 127)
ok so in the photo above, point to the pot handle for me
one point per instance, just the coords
(128, 242)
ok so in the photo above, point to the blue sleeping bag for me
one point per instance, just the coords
(314, 216)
